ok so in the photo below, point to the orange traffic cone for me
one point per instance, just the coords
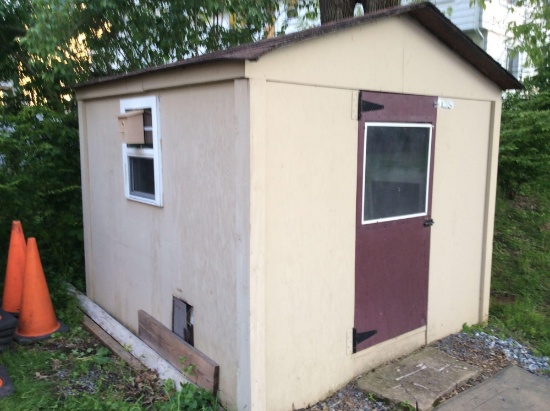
(37, 319)
(15, 269)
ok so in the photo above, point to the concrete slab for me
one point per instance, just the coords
(420, 378)
(511, 389)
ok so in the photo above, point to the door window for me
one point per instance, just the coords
(396, 165)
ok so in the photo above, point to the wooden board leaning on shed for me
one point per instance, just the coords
(111, 343)
(196, 366)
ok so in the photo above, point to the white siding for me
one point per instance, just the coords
(460, 13)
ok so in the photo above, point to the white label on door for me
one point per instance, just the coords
(444, 103)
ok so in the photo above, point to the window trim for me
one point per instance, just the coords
(368, 124)
(139, 103)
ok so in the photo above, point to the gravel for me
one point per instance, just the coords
(481, 349)
(495, 352)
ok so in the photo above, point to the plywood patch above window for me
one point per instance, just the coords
(130, 127)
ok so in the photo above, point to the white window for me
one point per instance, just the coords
(142, 161)
(512, 62)
(396, 171)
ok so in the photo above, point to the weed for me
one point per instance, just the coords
(187, 367)
(101, 356)
(188, 398)
(472, 329)
(406, 405)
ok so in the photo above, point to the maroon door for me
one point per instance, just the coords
(394, 181)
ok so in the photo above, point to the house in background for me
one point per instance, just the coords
(488, 29)
(313, 205)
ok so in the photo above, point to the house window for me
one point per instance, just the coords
(139, 119)
(512, 63)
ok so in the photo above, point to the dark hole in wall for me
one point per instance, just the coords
(182, 320)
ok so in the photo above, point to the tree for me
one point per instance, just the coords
(56, 43)
(533, 35)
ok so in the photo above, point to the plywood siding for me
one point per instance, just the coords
(393, 55)
(462, 157)
(310, 241)
(140, 256)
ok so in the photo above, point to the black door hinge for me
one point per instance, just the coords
(428, 222)
(358, 338)
(370, 106)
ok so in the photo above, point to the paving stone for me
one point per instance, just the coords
(420, 379)
(511, 389)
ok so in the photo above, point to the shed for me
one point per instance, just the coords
(311, 205)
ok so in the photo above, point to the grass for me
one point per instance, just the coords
(65, 373)
(72, 371)
(520, 289)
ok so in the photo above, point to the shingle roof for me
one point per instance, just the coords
(424, 13)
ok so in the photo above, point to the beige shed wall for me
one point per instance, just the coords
(310, 242)
(307, 94)
(195, 247)
(391, 55)
(461, 238)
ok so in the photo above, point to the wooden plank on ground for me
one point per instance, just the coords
(145, 354)
(111, 343)
(196, 366)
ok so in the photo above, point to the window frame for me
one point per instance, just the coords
(513, 60)
(368, 124)
(143, 103)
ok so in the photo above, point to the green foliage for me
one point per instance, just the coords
(136, 34)
(57, 43)
(406, 405)
(188, 398)
(525, 132)
(40, 185)
(520, 289)
(525, 138)
(68, 372)
(472, 329)
(531, 34)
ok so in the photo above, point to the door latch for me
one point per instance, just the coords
(428, 222)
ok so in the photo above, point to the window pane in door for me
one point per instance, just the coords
(395, 176)
(142, 177)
